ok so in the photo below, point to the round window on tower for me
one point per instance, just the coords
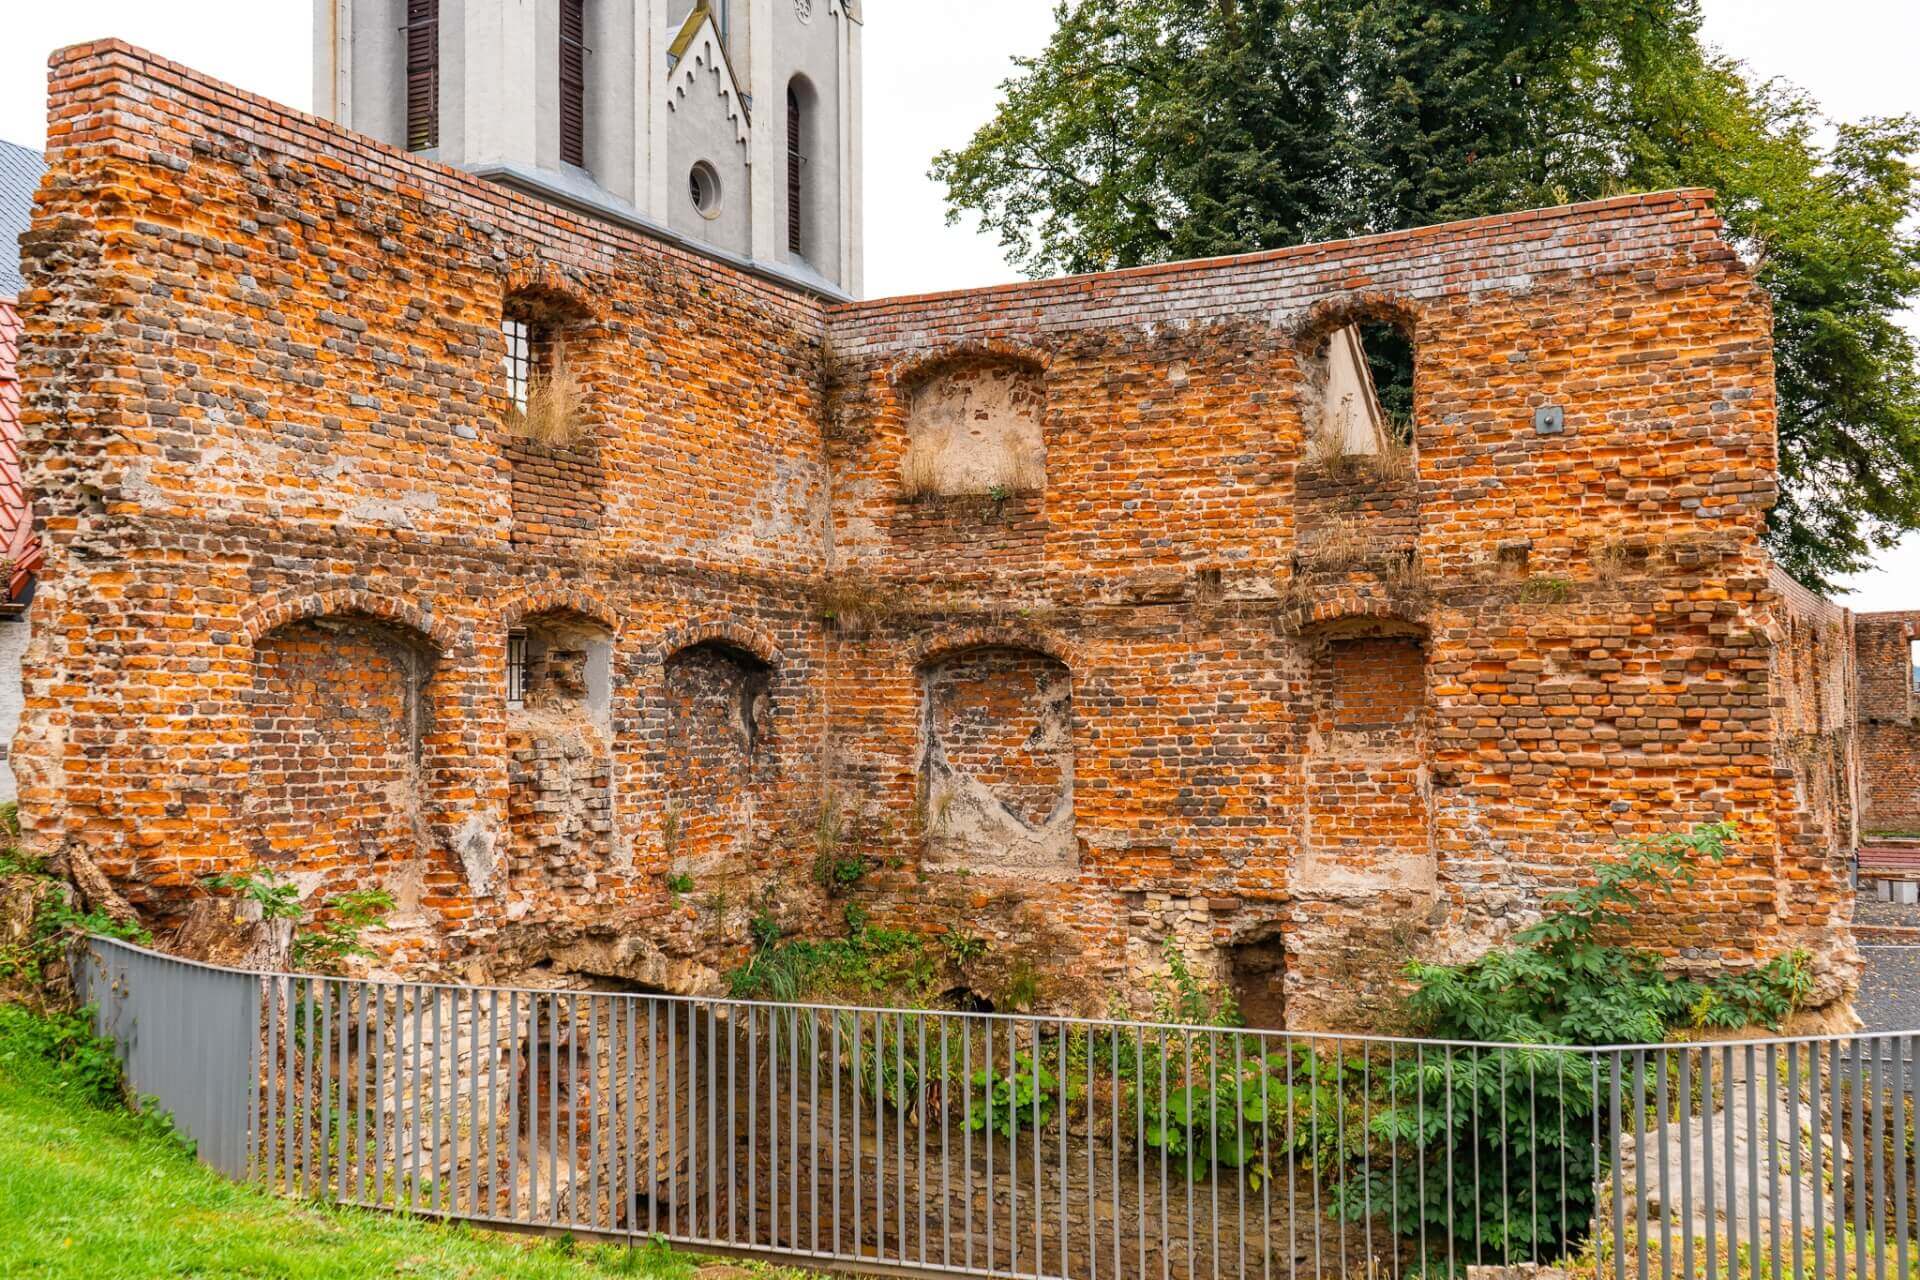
(703, 185)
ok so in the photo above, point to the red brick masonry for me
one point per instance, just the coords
(1033, 596)
(1889, 723)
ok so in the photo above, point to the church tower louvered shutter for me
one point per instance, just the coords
(573, 82)
(794, 162)
(423, 74)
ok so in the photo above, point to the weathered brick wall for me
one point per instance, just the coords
(1816, 729)
(1111, 660)
(266, 400)
(1889, 722)
(1589, 598)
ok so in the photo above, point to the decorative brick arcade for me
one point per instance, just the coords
(1038, 599)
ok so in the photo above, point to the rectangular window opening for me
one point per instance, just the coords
(516, 669)
(518, 361)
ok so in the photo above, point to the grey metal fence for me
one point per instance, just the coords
(1017, 1145)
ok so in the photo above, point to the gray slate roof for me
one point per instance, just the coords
(20, 171)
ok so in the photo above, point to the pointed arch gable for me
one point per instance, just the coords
(699, 53)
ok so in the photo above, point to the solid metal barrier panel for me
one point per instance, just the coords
(1012, 1145)
(186, 1039)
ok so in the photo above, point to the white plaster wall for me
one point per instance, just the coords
(13, 643)
(701, 127)
(499, 106)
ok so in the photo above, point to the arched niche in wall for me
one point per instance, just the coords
(340, 706)
(996, 762)
(1368, 733)
(719, 754)
(975, 425)
(558, 686)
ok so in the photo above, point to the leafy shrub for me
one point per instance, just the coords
(277, 897)
(1567, 980)
(87, 1063)
(1254, 1107)
(1027, 1097)
(56, 923)
(326, 947)
(1491, 1147)
(868, 964)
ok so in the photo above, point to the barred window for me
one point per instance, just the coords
(518, 360)
(516, 668)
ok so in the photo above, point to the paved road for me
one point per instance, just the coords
(1889, 997)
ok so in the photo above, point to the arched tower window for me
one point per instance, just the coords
(796, 162)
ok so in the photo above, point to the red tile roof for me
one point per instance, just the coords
(18, 542)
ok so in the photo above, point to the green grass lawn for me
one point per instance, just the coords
(90, 1190)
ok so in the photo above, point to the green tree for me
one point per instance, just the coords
(1154, 130)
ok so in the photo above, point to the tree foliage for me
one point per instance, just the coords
(1155, 130)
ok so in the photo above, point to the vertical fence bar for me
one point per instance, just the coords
(1901, 1165)
(1876, 1155)
(1772, 1059)
(1857, 1106)
(1614, 1116)
(1819, 1162)
(1837, 1121)
(1640, 1161)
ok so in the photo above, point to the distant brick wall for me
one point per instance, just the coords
(1890, 716)
(1463, 675)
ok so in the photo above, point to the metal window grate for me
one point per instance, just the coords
(516, 668)
(518, 360)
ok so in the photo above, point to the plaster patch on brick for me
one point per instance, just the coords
(997, 763)
(478, 848)
(976, 428)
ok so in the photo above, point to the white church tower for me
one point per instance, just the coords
(731, 124)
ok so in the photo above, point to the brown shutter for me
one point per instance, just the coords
(794, 161)
(423, 74)
(573, 82)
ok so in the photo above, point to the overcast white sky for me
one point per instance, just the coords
(932, 71)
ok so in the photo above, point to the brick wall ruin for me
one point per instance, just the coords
(1039, 600)
(1889, 722)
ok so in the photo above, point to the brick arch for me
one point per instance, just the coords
(749, 640)
(592, 605)
(916, 371)
(275, 612)
(1353, 608)
(552, 287)
(1363, 306)
(946, 641)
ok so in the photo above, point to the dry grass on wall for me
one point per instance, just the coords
(555, 414)
(1011, 471)
(1392, 465)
